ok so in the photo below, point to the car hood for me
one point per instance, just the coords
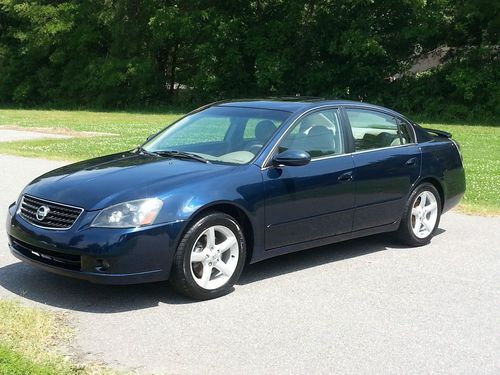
(98, 183)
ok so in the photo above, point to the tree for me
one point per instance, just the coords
(121, 53)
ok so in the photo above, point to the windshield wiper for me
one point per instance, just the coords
(142, 150)
(181, 155)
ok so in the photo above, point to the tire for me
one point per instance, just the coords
(409, 231)
(210, 257)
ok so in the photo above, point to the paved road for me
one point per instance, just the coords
(365, 306)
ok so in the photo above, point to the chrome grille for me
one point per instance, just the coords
(59, 216)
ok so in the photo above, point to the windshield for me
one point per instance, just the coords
(231, 135)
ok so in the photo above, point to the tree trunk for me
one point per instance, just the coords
(173, 65)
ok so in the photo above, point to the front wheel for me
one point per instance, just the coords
(421, 216)
(210, 257)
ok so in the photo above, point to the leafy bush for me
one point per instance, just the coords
(465, 87)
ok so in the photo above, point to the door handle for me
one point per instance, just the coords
(345, 177)
(411, 161)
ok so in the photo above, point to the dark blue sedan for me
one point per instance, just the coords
(238, 182)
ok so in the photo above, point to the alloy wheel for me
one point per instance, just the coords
(424, 214)
(214, 257)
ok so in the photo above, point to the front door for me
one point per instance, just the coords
(316, 200)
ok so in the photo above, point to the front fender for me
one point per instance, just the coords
(242, 189)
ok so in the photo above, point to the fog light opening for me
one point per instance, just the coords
(102, 265)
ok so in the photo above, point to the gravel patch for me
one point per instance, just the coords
(10, 133)
(7, 135)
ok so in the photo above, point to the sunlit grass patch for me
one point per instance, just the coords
(30, 330)
(131, 129)
(481, 151)
(13, 363)
(30, 339)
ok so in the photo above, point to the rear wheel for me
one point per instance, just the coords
(210, 257)
(421, 216)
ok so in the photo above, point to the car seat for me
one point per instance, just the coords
(320, 141)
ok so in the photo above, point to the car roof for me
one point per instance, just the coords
(293, 104)
(289, 104)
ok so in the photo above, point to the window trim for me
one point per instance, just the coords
(348, 127)
(266, 164)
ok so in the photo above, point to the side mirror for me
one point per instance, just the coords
(292, 158)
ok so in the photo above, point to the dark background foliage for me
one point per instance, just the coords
(147, 53)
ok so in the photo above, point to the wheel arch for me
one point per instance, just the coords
(437, 184)
(233, 210)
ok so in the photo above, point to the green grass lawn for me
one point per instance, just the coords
(13, 363)
(29, 341)
(481, 151)
(480, 144)
(131, 129)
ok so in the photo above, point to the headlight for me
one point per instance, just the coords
(129, 214)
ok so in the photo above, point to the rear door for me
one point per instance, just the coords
(386, 165)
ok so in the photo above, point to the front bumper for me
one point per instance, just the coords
(99, 255)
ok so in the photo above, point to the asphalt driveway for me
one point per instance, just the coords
(364, 306)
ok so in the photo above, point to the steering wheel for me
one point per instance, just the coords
(254, 147)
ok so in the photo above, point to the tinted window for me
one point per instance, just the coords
(317, 133)
(372, 129)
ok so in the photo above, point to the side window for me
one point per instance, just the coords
(404, 132)
(317, 133)
(372, 129)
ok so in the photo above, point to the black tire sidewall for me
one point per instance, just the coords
(183, 256)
